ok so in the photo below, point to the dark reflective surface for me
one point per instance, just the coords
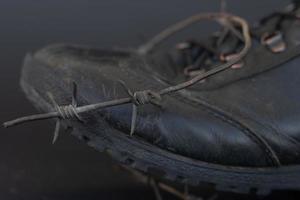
(32, 168)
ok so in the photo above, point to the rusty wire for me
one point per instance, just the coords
(148, 96)
(156, 185)
(159, 187)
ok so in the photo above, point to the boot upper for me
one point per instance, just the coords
(240, 117)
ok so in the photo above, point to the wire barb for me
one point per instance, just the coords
(153, 183)
(74, 95)
(160, 187)
(56, 131)
(140, 98)
(65, 112)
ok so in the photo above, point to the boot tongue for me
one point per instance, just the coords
(229, 44)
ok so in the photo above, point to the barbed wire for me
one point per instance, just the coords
(143, 97)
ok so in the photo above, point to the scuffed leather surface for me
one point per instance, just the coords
(269, 103)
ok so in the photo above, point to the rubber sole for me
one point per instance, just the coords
(136, 153)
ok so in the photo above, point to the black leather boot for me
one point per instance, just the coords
(235, 125)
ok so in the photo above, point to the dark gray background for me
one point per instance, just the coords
(32, 168)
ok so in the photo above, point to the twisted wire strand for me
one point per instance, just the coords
(147, 96)
(68, 112)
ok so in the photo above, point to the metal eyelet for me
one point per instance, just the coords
(226, 58)
(183, 46)
(274, 41)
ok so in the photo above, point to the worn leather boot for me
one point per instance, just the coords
(235, 125)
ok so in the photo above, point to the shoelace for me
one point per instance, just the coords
(194, 55)
(197, 57)
(146, 96)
